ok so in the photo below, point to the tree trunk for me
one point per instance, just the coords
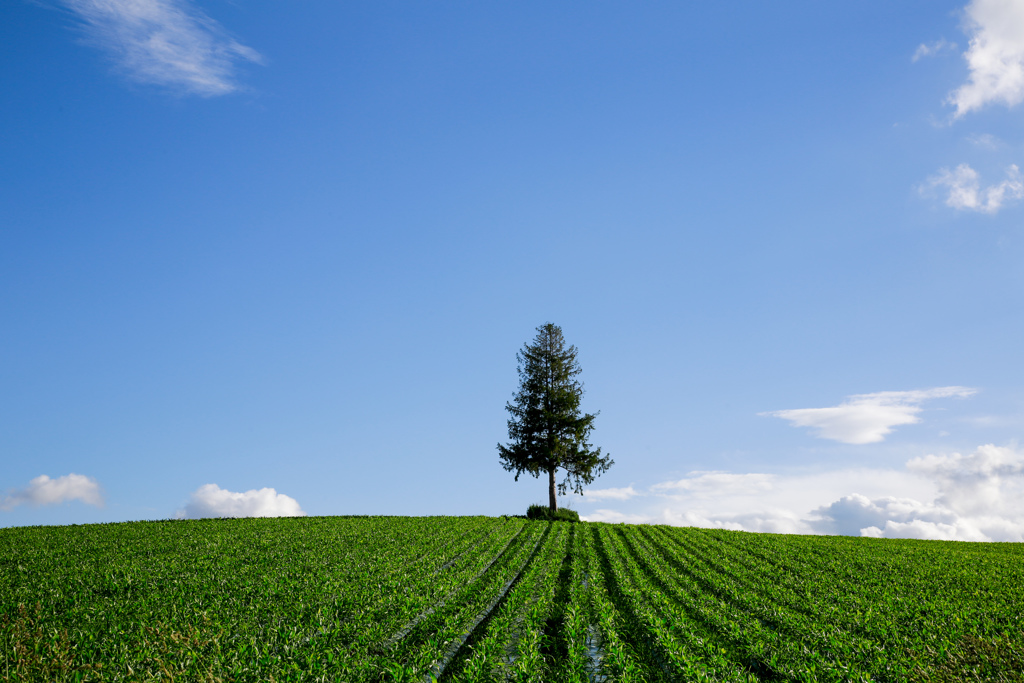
(552, 499)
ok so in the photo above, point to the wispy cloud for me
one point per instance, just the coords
(718, 482)
(995, 56)
(867, 418)
(46, 491)
(985, 141)
(610, 494)
(930, 50)
(964, 191)
(211, 500)
(168, 43)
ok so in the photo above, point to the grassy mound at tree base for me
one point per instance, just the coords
(559, 515)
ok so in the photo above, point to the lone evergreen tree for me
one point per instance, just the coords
(546, 430)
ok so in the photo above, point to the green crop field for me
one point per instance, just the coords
(495, 599)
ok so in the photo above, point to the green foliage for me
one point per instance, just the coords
(566, 515)
(545, 427)
(476, 599)
(543, 512)
(537, 511)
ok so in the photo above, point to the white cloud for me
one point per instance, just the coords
(211, 500)
(45, 491)
(935, 48)
(995, 56)
(610, 494)
(927, 531)
(164, 42)
(771, 521)
(867, 418)
(973, 497)
(989, 481)
(981, 498)
(757, 501)
(851, 514)
(965, 191)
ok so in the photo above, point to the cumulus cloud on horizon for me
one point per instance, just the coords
(211, 500)
(168, 43)
(867, 418)
(46, 491)
(981, 498)
(995, 56)
(974, 497)
(751, 501)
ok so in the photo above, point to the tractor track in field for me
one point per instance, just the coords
(456, 643)
(512, 652)
(483, 537)
(405, 630)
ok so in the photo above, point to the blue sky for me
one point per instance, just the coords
(277, 258)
